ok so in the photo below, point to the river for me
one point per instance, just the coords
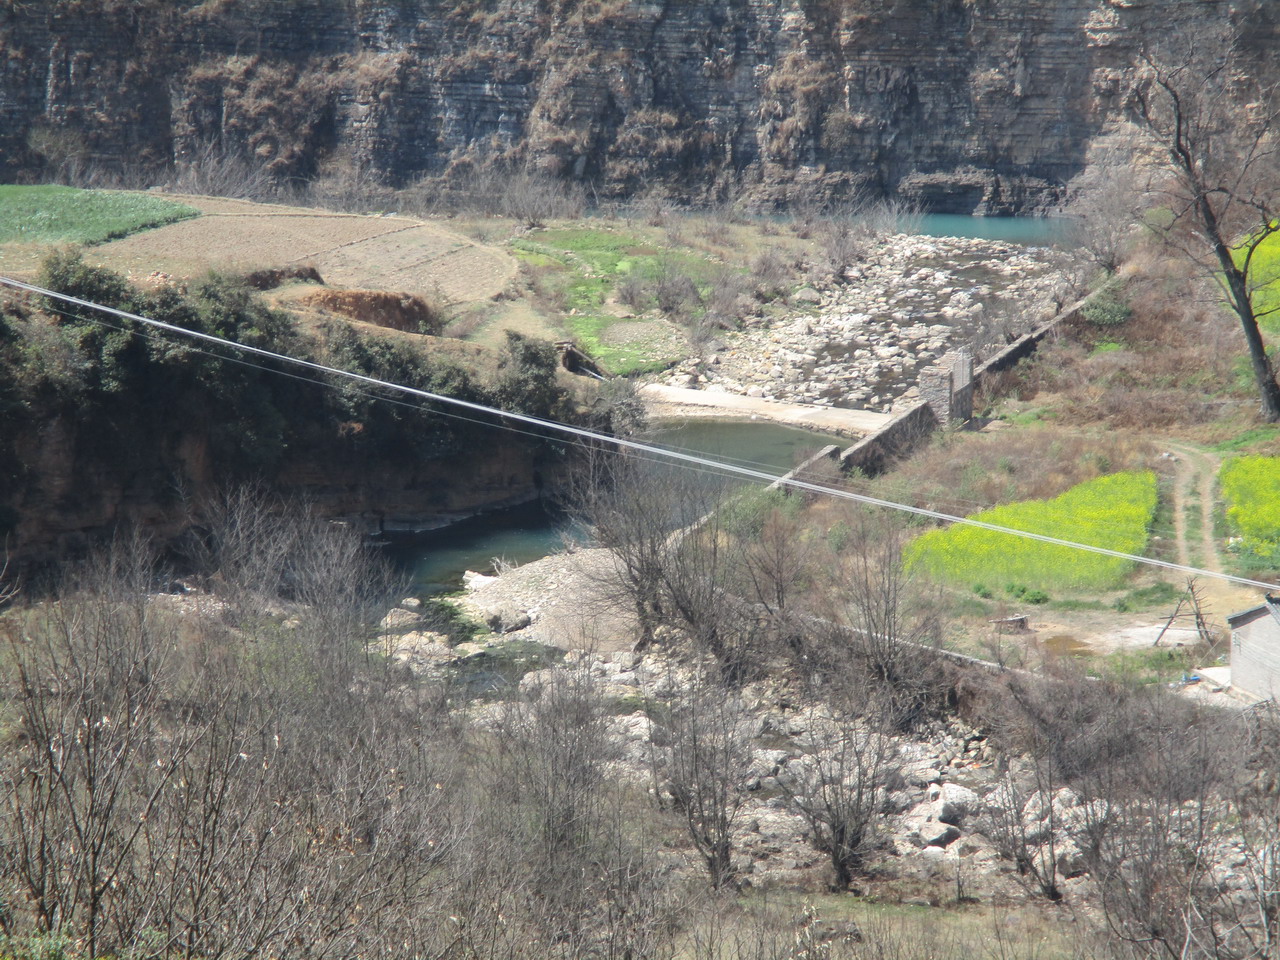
(1033, 231)
(437, 559)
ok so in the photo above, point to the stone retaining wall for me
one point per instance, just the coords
(900, 436)
(947, 390)
(831, 452)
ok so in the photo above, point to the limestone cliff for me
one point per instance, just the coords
(967, 105)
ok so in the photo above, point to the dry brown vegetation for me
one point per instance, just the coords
(397, 311)
(175, 767)
(1173, 363)
(966, 472)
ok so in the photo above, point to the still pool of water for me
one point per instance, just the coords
(1037, 231)
(437, 559)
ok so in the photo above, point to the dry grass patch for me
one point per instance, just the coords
(964, 472)
(385, 253)
(1175, 363)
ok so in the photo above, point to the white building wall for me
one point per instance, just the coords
(1255, 657)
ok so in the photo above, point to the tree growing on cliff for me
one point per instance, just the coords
(1214, 122)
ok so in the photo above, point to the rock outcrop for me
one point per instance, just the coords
(71, 495)
(982, 106)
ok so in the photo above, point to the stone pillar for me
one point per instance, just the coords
(935, 390)
(947, 387)
(961, 362)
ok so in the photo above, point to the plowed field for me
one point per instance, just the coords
(369, 252)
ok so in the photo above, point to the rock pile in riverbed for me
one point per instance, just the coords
(918, 298)
(934, 810)
(944, 799)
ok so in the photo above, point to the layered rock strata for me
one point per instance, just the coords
(984, 106)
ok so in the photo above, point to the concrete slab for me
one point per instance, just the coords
(682, 401)
(1145, 636)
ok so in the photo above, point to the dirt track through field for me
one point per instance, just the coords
(369, 252)
(1198, 470)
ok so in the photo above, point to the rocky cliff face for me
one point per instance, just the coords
(967, 105)
(69, 498)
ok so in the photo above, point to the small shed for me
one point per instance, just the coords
(1255, 649)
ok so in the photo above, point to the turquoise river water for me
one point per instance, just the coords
(437, 559)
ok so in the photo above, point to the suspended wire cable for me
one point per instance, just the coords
(843, 483)
(634, 445)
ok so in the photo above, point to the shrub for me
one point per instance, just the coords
(838, 536)
(527, 378)
(1108, 307)
(745, 516)
(634, 292)
(127, 392)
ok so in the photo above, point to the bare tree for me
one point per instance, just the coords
(183, 785)
(214, 168)
(89, 681)
(1214, 120)
(636, 509)
(840, 783)
(1105, 208)
(534, 197)
(881, 613)
(1152, 834)
(702, 751)
(556, 811)
(851, 231)
(701, 589)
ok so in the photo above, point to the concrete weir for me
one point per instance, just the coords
(852, 423)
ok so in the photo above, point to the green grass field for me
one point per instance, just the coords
(1251, 488)
(586, 266)
(616, 253)
(624, 359)
(1114, 511)
(50, 214)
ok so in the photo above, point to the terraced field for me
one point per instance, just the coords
(349, 250)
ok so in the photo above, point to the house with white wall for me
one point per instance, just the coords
(1255, 649)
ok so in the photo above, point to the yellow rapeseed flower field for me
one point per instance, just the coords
(1251, 487)
(1114, 511)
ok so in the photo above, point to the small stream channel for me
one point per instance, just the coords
(437, 559)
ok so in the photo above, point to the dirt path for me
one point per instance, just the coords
(1184, 478)
(1196, 470)
(1195, 496)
